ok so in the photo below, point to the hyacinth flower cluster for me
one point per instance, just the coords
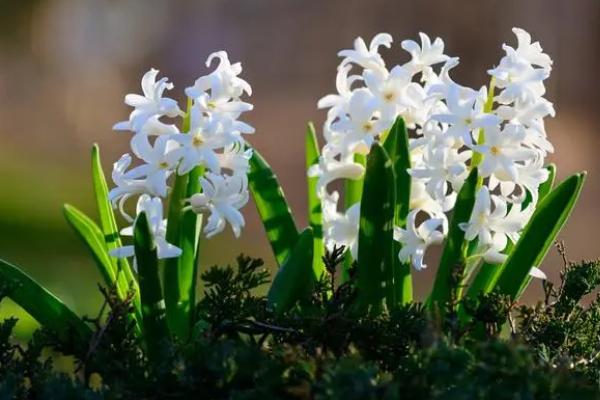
(454, 128)
(211, 142)
(424, 161)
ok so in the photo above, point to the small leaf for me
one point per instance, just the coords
(396, 146)
(295, 279)
(455, 245)
(539, 234)
(314, 203)
(42, 305)
(156, 330)
(272, 207)
(376, 234)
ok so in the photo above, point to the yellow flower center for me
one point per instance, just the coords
(163, 165)
(389, 96)
(495, 150)
(197, 141)
(367, 127)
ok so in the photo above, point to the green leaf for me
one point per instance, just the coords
(353, 190)
(295, 279)
(376, 234)
(42, 305)
(272, 207)
(396, 146)
(92, 237)
(121, 268)
(539, 234)
(314, 203)
(156, 330)
(455, 245)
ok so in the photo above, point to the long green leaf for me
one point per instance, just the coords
(314, 203)
(93, 239)
(539, 234)
(272, 207)
(455, 245)
(295, 279)
(172, 275)
(121, 268)
(396, 146)
(42, 305)
(353, 190)
(156, 330)
(376, 234)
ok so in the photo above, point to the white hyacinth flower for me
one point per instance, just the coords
(153, 208)
(151, 103)
(222, 197)
(213, 140)
(415, 240)
(367, 57)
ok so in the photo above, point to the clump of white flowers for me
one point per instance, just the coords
(499, 129)
(213, 142)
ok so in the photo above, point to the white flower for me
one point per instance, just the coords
(444, 119)
(368, 58)
(530, 176)
(151, 103)
(441, 166)
(200, 145)
(343, 84)
(159, 164)
(519, 80)
(465, 113)
(502, 151)
(532, 52)
(537, 273)
(235, 159)
(361, 123)
(128, 185)
(342, 228)
(222, 196)
(223, 83)
(422, 200)
(387, 89)
(485, 222)
(415, 240)
(153, 209)
(330, 169)
(425, 55)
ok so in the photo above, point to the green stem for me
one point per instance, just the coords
(173, 293)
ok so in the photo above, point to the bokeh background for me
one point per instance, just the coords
(65, 66)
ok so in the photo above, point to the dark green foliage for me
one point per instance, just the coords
(320, 349)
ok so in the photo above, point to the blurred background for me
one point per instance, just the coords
(66, 65)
